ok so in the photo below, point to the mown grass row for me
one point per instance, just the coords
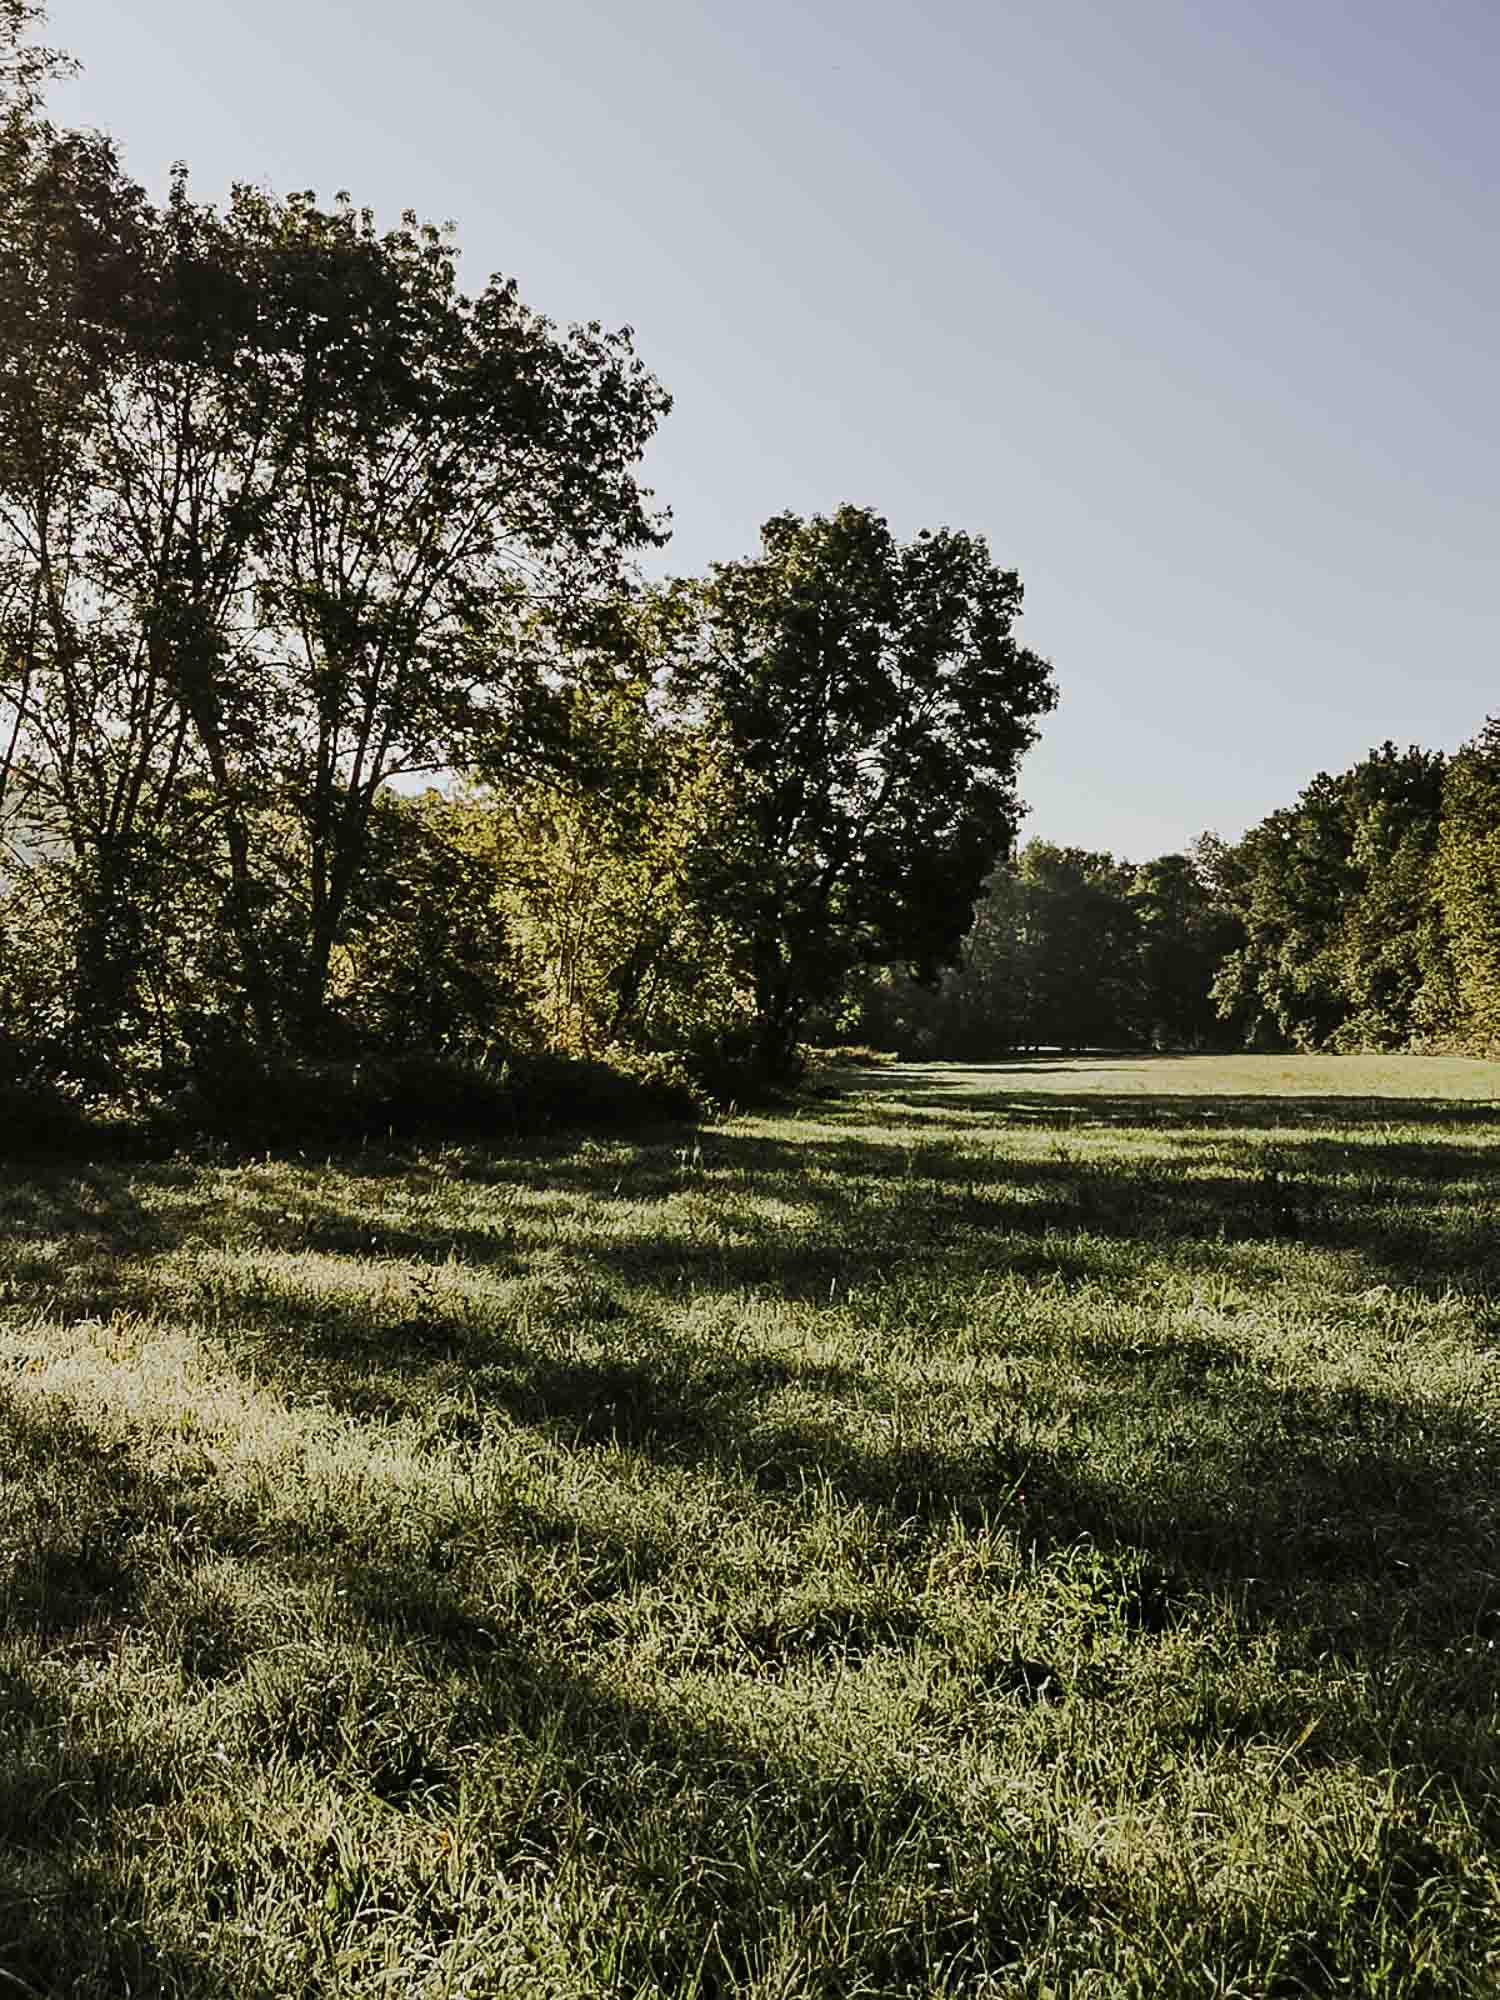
(1019, 1535)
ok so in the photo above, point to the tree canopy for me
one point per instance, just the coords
(284, 515)
(875, 702)
(1334, 900)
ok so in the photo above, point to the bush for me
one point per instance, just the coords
(849, 1055)
(730, 1068)
(248, 1100)
(552, 1090)
(41, 1118)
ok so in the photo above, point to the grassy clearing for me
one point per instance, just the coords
(1023, 1532)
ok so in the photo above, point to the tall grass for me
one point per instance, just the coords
(1025, 1532)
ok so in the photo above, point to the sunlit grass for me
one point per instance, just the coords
(937, 1540)
(1460, 1079)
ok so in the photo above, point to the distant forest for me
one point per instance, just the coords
(340, 732)
(1365, 915)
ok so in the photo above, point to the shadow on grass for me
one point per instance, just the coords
(72, 1595)
(1400, 1186)
(1366, 1520)
(680, 1845)
(598, 1361)
(884, 1096)
(1408, 1213)
(72, 1920)
(686, 1846)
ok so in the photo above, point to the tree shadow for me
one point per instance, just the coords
(70, 1915)
(1356, 1527)
(1252, 1487)
(1408, 1208)
(919, 1095)
(75, 1593)
(847, 1211)
(622, 1801)
(1362, 1525)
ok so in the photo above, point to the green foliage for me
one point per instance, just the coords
(1068, 949)
(38, 1118)
(1335, 902)
(447, 477)
(1058, 948)
(595, 861)
(1394, 945)
(874, 702)
(1183, 935)
(24, 65)
(284, 515)
(252, 1102)
(1467, 883)
(427, 961)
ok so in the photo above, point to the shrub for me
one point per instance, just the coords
(41, 1118)
(249, 1100)
(730, 1067)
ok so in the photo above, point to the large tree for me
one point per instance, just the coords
(451, 482)
(874, 701)
(284, 515)
(1051, 956)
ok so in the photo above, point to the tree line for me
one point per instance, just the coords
(1366, 915)
(338, 724)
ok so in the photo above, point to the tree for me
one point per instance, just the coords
(86, 737)
(1182, 939)
(284, 515)
(874, 703)
(593, 854)
(1050, 956)
(25, 66)
(1393, 951)
(450, 481)
(1467, 885)
(1333, 899)
(988, 1001)
(424, 963)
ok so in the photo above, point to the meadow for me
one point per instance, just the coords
(1015, 1531)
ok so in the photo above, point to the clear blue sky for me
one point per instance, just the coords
(1192, 309)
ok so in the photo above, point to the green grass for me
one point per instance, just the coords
(1020, 1532)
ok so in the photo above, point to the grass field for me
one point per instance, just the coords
(1028, 1531)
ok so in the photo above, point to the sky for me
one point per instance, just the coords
(1192, 310)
